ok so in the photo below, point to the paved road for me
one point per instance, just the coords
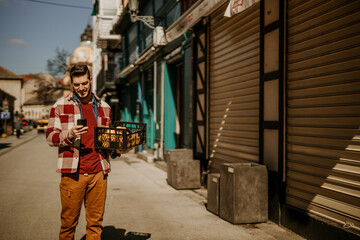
(29, 190)
(140, 204)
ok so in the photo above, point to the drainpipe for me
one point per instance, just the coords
(162, 106)
(140, 103)
(156, 145)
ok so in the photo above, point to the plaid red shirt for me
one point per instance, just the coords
(63, 116)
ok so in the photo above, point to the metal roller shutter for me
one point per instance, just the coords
(234, 86)
(323, 109)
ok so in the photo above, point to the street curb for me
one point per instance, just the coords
(17, 145)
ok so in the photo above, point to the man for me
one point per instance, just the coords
(17, 126)
(83, 168)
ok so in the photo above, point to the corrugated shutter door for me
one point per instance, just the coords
(234, 86)
(323, 109)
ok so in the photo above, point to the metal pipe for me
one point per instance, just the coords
(162, 106)
(155, 93)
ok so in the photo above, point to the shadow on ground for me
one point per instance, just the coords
(4, 145)
(112, 233)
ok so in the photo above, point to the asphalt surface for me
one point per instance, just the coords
(140, 204)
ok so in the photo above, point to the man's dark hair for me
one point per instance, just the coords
(78, 71)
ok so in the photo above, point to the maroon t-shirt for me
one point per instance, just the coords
(89, 157)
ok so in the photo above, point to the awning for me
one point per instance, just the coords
(190, 18)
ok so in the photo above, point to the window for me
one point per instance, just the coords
(145, 31)
(158, 4)
(173, 15)
(131, 44)
(108, 8)
(132, 34)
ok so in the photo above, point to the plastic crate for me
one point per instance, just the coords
(121, 136)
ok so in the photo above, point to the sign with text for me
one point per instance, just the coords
(236, 6)
(5, 115)
(189, 18)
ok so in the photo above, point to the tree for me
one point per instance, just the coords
(48, 89)
(57, 65)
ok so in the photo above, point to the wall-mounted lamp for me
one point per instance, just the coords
(134, 10)
(159, 38)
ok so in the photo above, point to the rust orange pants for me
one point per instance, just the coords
(76, 189)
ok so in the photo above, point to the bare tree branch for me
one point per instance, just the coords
(57, 65)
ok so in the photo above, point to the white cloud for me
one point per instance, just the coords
(17, 42)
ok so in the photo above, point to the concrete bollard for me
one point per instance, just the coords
(243, 193)
(183, 172)
(213, 187)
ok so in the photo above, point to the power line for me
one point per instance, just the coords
(59, 4)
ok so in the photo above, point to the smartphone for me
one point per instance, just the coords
(82, 122)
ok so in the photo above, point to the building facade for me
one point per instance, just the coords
(105, 46)
(12, 84)
(41, 91)
(7, 113)
(272, 82)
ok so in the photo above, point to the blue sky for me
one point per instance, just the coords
(30, 32)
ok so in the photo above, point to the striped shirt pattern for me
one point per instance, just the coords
(63, 116)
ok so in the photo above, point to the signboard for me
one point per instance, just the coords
(236, 6)
(189, 19)
(5, 115)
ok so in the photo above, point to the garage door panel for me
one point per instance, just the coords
(247, 73)
(323, 152)
(322, 211)
(332, 18)
(339, 133)
(234, 86)
(342, 88)
(325, 121)
(341, 100)
(319, 71)
(331, 42)
(304, 61)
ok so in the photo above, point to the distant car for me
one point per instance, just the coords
(32, 124)
(42, 125)
(25, 125)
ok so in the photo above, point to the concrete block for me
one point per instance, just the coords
(213, 188)
(181, 154)
(184, 174)
(243, 193)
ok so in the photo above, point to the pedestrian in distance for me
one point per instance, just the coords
(17, 126)
(83, 168)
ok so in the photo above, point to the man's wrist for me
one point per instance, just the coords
(70, 137)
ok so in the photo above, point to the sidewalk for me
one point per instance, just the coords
(141, 204)
(10, 142)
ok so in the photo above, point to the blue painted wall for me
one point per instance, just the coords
(169, 112)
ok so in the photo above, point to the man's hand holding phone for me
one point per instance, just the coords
(78, 129)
